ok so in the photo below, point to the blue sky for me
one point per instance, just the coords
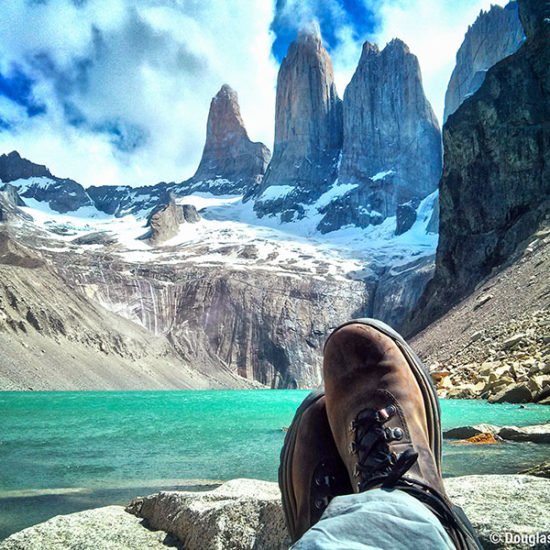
(359, 17)
(117, 91)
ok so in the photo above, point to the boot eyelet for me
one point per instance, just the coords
(397, 434)
(321, 503)
(352, 448)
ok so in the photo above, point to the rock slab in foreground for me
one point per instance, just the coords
(247, 514)
(108, 528)
(240, 514)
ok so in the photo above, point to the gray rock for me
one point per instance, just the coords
(165, 220)
(398, 289)
(390, 125)
(515, 393)
(190, 214)
(10, 201)
(504, 505)
(405, 217)
(241, 514)
(495, 187)
(108, 528)
(513, 341)
(231, 162)
(496, 34)
(98, 237)
(539, 433)
(540, 470)
(362, 206)
(308, 128)
(465, 432)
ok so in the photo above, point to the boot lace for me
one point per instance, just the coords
(377, 464)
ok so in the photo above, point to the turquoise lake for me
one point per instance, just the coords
(62, 452)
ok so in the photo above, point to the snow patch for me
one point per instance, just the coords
(336, 190)
(382, 175)
(276, 192)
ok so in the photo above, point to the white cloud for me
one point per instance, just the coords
(148, 67)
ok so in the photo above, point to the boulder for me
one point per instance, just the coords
(515, 393)
(165, 220)
(108, 528)
(240, 514)
(539, 433)
(465, 432)
(97, 237)
(540, 470)
(190, 214)
(513, 342)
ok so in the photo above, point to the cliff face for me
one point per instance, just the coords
(496, 34)
(308, 127)
(389, 127)
(228, 152)
(495, 188)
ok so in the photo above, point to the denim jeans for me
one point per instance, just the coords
(378, 519)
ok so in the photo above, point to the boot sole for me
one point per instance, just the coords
(422, 377)
(285, 470)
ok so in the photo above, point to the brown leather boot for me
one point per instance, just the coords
(384, 415)
(311, 472)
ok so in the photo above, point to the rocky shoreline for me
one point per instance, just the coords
(508, 511)
(508, 362)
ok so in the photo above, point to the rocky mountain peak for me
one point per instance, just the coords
(369, 49)
(224, 119)
(228, 153)
(496, 34)
(14, 167)
(388, 126)
(308, 126)
(397, 45)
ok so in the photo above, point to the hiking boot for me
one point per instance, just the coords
(311, 472)
(384, 415)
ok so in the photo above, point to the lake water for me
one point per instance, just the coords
(62, 452)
